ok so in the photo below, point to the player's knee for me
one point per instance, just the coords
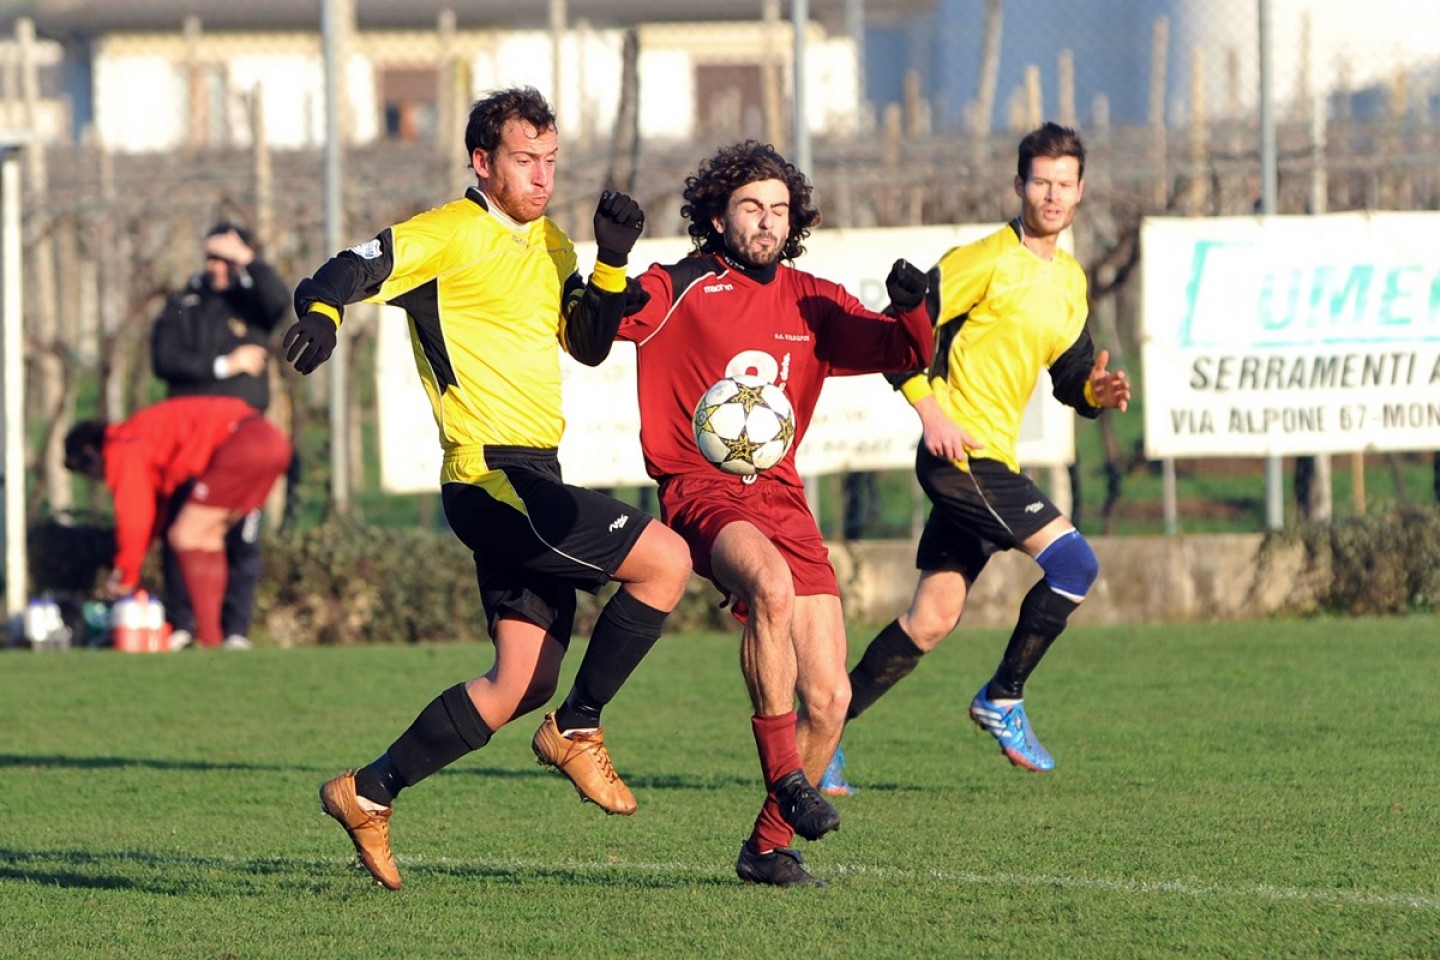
(927, 626)
(772, 598)
(826, 702)
(1070, 565)
(670, 562)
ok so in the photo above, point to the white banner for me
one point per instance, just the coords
(1291, 335)
(860, 423)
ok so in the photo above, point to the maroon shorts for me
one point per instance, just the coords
(698, 507)
(244, 468)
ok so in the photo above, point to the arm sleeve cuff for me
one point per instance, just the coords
(607, 277)
(221, 369)
(1090, 395)
(325, 310)
(915, 389)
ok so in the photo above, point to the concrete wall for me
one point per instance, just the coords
(1142, 580)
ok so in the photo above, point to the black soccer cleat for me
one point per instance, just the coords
(802, 806)
(781, 867)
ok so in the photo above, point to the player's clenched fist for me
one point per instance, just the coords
(618, 222)
(906, 285)
(309, 342)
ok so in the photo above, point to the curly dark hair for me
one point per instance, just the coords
(707, 194)
(1053, 141)
(488, 116)
(83, 445)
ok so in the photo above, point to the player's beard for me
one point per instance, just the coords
(747, 251)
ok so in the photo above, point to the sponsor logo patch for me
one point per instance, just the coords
(368, 250)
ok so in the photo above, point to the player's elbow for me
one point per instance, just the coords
(590, 354)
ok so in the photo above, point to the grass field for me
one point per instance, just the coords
(1250, 790)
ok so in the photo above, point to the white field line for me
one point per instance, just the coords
(1261, 891)
(1176, 888)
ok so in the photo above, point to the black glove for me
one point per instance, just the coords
(618, 222)
(309, 342)
(635, 297)
(906, 286)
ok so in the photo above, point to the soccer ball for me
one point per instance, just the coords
(744, 425)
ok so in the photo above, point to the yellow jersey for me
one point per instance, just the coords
(1001, 314)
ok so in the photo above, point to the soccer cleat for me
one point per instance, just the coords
(781, 867)
(832, 781)
(808, 813)
(370, 832)
(1011, 728)
(237, 642)
(180, 639)
(583, 758)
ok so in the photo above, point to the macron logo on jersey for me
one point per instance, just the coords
(368, 250)
(619, 523)
(1035, 507)
(717, 287)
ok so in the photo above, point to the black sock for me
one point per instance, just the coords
(625, 632)
(448, 728)
(1043, 614)
(888, 660)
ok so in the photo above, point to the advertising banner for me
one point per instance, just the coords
(860, 422)
(1291, 335)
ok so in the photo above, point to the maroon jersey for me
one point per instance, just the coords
(150, 455)
(707, 319)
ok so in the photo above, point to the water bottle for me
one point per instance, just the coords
(96, 615)
(34, 622)
(125, 624)
(45, 627)
(153, 623)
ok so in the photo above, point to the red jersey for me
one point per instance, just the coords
(707, 319)
(150, 455)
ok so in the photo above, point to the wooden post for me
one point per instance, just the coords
(447, 107)
(1100, 117)
(1196, 195)
(197, 116)
(1065, 79)
(626, 153)
(1357, 483)
(587, 107)
(1400, 192)
(558, 19)
(1232, 99)
(49, 376)
(1034, 98)
(770, 78)
(984, 108)
(1159, 48)
(915, 124)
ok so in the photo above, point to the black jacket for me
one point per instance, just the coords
(200, 324)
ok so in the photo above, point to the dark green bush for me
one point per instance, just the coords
(1388, 563)
(348, 583)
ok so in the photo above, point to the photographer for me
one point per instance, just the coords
(212, 339)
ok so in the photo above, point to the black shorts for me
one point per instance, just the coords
(536, 540)
(976, 513)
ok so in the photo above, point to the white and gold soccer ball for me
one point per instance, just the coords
(744, 425)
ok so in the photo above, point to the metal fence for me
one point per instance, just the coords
(911, 110)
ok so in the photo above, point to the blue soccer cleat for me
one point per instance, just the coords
(1011, 729)
(832, 781)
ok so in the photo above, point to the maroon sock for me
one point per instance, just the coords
(205, 573)
(779, 755)
(779, 751)
(770, 831)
